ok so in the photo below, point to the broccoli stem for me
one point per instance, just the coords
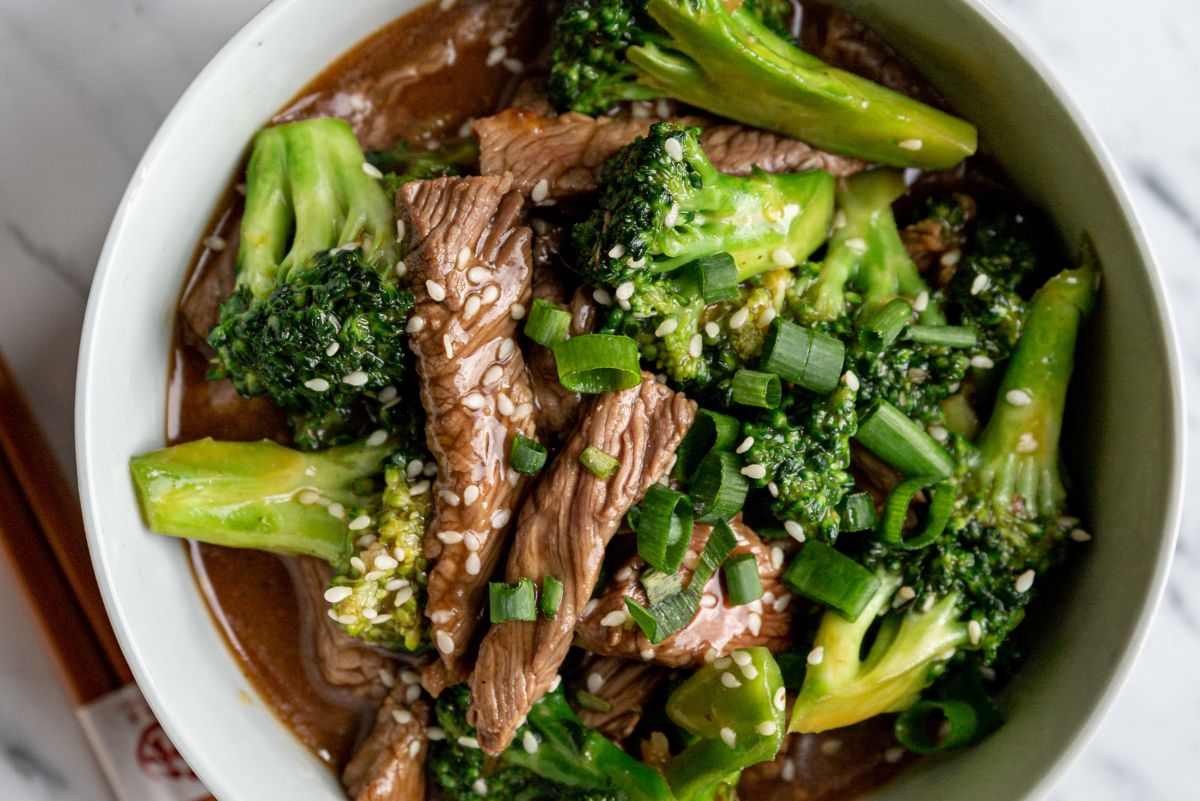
(253, 494)
(731, 64)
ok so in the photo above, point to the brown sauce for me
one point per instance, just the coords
(421, 77)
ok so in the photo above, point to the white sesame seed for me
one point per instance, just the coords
(420, 488)
(1024, 582)
(773, 488)
(1018, 397)
(336, 510)
(624, 574)
(750, 672)
(816, 656)
(442, 616)
(780, 698)
(708, 601)
(491, 293)
(982, 362)
(741, 658)
(723, 663)
(893, 755)
(529, 742)
(357, 378)
(831, 747)
(728, 735)
(754, 471)
(614, 618)
(624, 291)
(903, 596)
(471, 308)
(333, 348)
(781, 603)
(308, 497)
(473, 564)
(517, 311)
(1027, 443)
(857, 245)
(666, 327)
(436, 291)
(616, 251)
(782, 257)
(696, 346)
(602, 297)
(731, 681)
(317, 384)
(974, 632)
(672, 216)
(794, 530)
(496, 55)
(540, 190)
(347, 620)
(448, 346)
(473, 401)
(477, 274)
(739, 318)
(371, 170)
(471, 540)
(754, 623)
(939, 433)
(674, 149)
(412, 694)
(450, 497)
(403, 596)
(338, 594)
(767, 728)
(504, 405)
(712, 329)
(777, 557)
(911, 144)
(522, 411)
(921, 303)
(435, 733)
(470, 495)
(690, 559)
(214, 243)
(493, 375)
(514, 65)
(445, 644)
(766, 317)
(1079, 535)
(647, 654)
(594, 683)
(951, 257)
(402, 716)
(377, 438)
(710, 655)
(388, 393)
(359, 523)
(415, 324)
(745, 445)
(980, 283)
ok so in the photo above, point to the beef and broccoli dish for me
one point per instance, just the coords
(639, 400)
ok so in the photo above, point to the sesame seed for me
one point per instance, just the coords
(857, 245)
(400, 229)
(360, 522)
(371, 170)
(415, 324)
(712, 329)
(783, 258)
(403, 596)
(589, 607)
(831, 747)
(522, 411)
(377, 438)
(1024, 582)
(436, 291)
(780, 698)
(357, 378)
(794, 530)
(750, 672)
(214, 243)
(781, 603)
(939, 433)
(338, 594)
(470, 495)
(777, 557)
(708, 601)
(624, 291)
(473, 401)
(594, 682)
(448, 346)
(471, 540)
(602, 297)
(496, 55)
(921, 303)
(614, 619)
(529, 742)
(1079, 535)
(386, 394)
(624, 574)
(903, 596)
(754, 471)
(347, 620)
(516, 311)
(728, 735)
(980, 283)
(477, 274)
(445, 644)
(850, 380)
(450, 497)
(309, 497)
(473, 564)
(710, 655)
(493, 375)
(514, 65)
(317, 384)
(471, 308)
(911, 144)
(435, 733)
(766, 317)
(674, 149)
(402, 716)
(616, 251)
(767, 728)
(490, 293)
(982, 362)
(555, 682)
(1027, 443)
(336, 510)
(739, 318)
(893, 755)
(754, 623)
(666, 327)
(773, 488)
(412, 694)
(647, 654)
(540, 190)
(690, 559)
(696, 346)
(788, 771)
(741, 658)
(1018, 397)
(745, 445)
(975, 632)
(672, 216)
(731, 681)
(504, 405)
(442, 616)
(951, 257)
(500, 518)
(420, 488)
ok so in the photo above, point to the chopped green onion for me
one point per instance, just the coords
(802, 356)
(600, 463)
(663, 619)
(593, 702)
(823, 574)
(858, 512)
(552, 593)
(511, 601)
(710, 431)
(547, 323)
(664, 528)
(659, 585)
(743, 584)
(752, 388)
(719, 489)
(881, 327)
(929, 726)
(526, 455)
(950, 336)
(895, 511)
(886, 432)
(595, 363)
(716, 275)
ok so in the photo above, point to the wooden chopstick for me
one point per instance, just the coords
(50, 501)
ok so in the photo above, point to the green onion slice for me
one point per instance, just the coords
(659, 585)
(664, 528)
(743, 584)
(823, 574)
(895, 510)
(719, 489)
(547, 323)
(710, 431)
(511, 601)
(598, 462)
(920, 728)
(752, 388)
(663, 619)
(901, 442)
(950, 336)
(880, 328)
(552, 594)
(526, 455)
(858, 512)
(716, 276)
(593, 703)
(802, 356)
(595, 363)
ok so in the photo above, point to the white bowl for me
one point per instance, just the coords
(1128, 448)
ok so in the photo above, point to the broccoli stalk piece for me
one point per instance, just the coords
(567, 759)
(351, 506)
(664, 205)
(731, 59)
(969, 589)
(733, 725)
(313, 320)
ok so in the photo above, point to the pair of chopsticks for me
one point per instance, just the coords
(41, 532)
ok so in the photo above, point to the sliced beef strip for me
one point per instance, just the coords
(569, 151)
(623, 684)
(563, 531)
(390, 763)
(717, 629)
(345, 662)
(469, 266)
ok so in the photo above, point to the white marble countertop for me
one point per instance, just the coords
(85, 83)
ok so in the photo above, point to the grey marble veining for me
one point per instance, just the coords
(84, 84)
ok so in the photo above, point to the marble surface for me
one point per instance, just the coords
(85, 83)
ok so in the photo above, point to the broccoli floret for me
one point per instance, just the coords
(915, 377)
(970, 588)
(313, 320)
(805, 449)
(568, 759)
(404, 162)
(663, 205)
(740, 64)
(351, 506)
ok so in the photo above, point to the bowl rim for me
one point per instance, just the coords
(1166, 331)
